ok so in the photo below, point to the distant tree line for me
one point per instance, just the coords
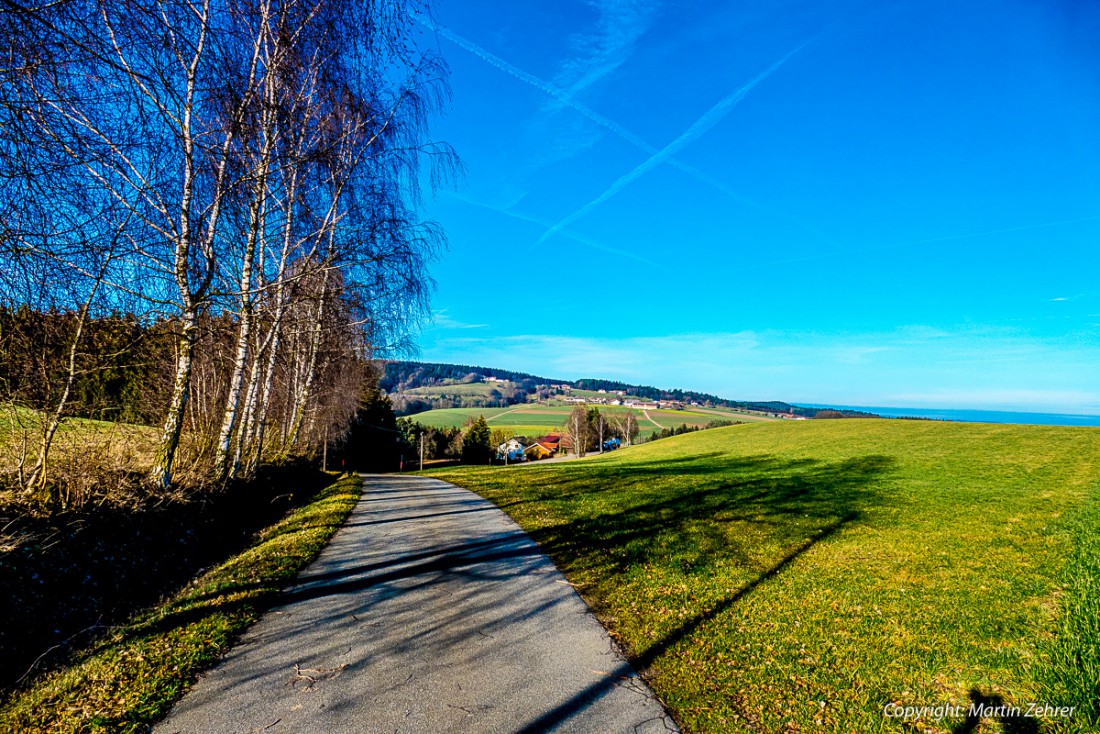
(118, 373)
(685, 428)
(401, 375)
(378, 440)
(835, 413)
(498, 397)
(689, 396)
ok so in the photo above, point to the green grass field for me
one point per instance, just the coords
(672, 418)
(793, 577)
(530, 415)
(535, 418)
(452, 417)
(78, 445)
(473, 389)
(741, 415)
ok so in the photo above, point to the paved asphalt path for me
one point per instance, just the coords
(430, 612)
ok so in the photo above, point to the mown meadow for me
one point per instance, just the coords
(804, 576)
(534, 419)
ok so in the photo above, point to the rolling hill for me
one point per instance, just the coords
(804, 576)
(417, 387)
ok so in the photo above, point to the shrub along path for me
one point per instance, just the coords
(430, 611)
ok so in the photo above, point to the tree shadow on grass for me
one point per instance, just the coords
(1012, 720)
(552, 718)
(763, 490)
(691, 514)
(679, 513)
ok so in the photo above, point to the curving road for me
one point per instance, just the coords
(430, 612)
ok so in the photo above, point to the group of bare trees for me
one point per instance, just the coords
(589, 428)
(245, 171)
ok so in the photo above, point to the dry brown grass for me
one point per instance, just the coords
(92, 463)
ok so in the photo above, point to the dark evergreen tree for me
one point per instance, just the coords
(375, 441)
(476, 445)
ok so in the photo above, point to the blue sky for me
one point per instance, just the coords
(838, 202)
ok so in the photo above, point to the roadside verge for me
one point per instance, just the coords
(132, 676)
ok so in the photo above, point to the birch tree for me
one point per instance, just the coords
(629, 426)
(578, 429)
(140, 107)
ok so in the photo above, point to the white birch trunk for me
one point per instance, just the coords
(173, 423)
(256, 223)
(38, 479)
(303, 396)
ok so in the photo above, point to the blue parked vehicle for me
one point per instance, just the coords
(511, 452)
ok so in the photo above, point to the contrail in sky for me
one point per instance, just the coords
(559, 94)
(709, 119)
(607, 123)
(542, 223)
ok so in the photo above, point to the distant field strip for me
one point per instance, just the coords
(499, 416)
(536, 418)
(801, 576)
(477, 389)
(452, 417)
(532, 417)
(731, 414)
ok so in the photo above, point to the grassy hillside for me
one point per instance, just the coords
(452, 417)
(803, 576)
(475, 389)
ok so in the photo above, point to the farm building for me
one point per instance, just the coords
(557, 442)
(539, 450)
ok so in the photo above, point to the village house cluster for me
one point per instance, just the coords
(520, 448)
(618, 397)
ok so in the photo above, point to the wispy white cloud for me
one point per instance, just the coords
(697, 129)
(599, 53)
(1074, 297)
(915, 366)
(592, 55)
(443, 321)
